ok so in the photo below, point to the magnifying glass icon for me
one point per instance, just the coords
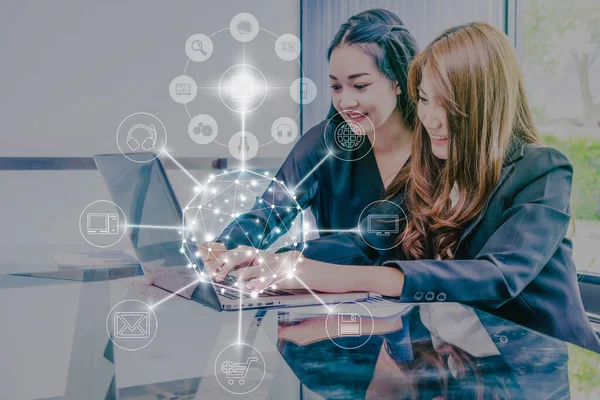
(197, 46)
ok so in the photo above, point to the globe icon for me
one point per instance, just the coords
(349, 136)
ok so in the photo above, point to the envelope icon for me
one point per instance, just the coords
(130, 325)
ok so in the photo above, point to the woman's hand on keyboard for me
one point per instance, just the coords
(209, 252)
(290, 270)
(227, 261)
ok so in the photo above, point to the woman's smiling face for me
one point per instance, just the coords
(359, 91)
(433, 117)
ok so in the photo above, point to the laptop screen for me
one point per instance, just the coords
(153, 215)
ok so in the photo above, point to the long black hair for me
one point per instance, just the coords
(382, 35)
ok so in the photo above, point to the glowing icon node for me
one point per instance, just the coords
(303, 90)
(284, 130)
(183, 89)
(243, 145)
(287, 47)
(349, 325)
(199, 47)
(344, 136)
(102, 223)
(244, 27)
(349, 136)
(240, 368)
(385, 220)
(242, 88)
(203, 129)
(131, 325)
(141, 132)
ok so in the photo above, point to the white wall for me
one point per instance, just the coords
(71, 70)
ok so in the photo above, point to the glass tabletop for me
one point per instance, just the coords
(69, 262)
(433, 351)
(58, 341)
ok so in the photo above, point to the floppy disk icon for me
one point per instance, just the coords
(132, 325)
(349, 324)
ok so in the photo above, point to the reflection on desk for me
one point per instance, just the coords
(54, 344)
(436, 351)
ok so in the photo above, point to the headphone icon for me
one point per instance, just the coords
(284, 128)
(148, 143)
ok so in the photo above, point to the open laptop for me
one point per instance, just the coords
(142, 190)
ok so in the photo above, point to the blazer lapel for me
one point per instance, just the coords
(515, 152)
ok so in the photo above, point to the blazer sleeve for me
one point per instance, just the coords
(369, 247)
(260, 227)
(530, 232)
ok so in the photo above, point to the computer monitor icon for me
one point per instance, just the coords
(103, 223)
(383, 224)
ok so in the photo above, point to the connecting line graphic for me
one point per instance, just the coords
(177, 292)
(195, 197)
(227, 287)
(243, 140)
(240, 322)
(311, 172)
(313, 293)
(154, 227)
(271, 272)
(199, 280)
(235, 194)
(212, 198)
(243, 119)
(332, 230)
(272, 284)
(183, 169)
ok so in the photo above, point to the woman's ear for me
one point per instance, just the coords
(397, 88)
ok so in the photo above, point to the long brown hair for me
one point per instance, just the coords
(429, 374)
(475, 73)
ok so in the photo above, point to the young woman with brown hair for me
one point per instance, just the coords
(487, 205)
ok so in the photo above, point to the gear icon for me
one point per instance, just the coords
(203, 129)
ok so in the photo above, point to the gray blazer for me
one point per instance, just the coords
(513, 260)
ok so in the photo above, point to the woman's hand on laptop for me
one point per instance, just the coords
(290, 270)
(209, 252)
(243, 256)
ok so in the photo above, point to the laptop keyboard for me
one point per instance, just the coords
(234, 293)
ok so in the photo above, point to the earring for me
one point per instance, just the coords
(398, 92)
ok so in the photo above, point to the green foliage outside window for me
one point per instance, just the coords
(584, 154)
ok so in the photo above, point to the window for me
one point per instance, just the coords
(559, 47)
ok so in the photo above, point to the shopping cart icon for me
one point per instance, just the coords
(238, 371)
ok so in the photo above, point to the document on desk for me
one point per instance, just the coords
(100, 259)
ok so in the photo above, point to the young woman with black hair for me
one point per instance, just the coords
(368, 68)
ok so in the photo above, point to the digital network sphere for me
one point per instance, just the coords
(225, 197)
